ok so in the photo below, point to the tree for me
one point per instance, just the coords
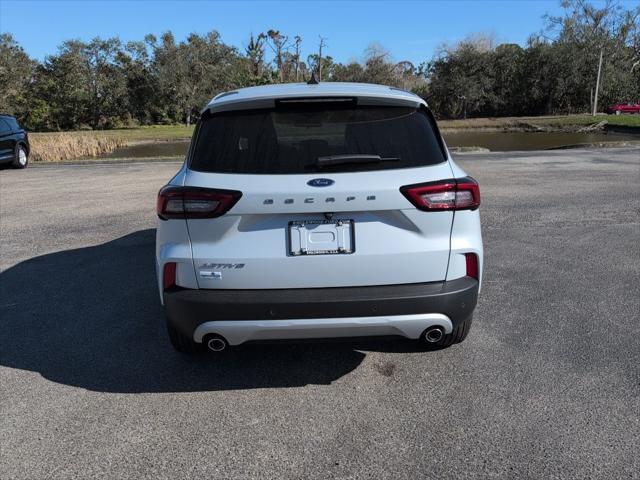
(296, 56)
(106, 81)
(192, 72)
(255, 54)
(508, 92)
(83, 84)
(278, 43)
(104, 84)
(320, 65)
(351, 72)
(328, 66)
(63, 82)
(16, 71)
(141, 84)
(405, 71)
(585, 32)
(462, 80)
(378, 67)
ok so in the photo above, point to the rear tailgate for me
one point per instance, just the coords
(250, 246)
(304, 165)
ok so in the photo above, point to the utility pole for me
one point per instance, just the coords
(595, 98)
(322, 44)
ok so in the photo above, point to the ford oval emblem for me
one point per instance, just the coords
(320, 182)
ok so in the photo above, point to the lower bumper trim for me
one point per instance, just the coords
(188, 309)
(237, 332)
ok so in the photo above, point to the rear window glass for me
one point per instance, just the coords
(309, 138)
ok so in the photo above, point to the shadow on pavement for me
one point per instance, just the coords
(91, 318)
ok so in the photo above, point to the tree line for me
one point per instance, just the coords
(105, 83)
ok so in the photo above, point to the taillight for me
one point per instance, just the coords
(169, 275)
(472, 265)
(194, 202)
(452, 194)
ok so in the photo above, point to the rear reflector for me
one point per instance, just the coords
(451, 194)
(472, 265)
(169, 275)
(194, 202)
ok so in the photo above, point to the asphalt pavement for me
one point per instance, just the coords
(547, 385)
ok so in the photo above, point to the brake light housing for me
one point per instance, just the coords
(169, 275)
(444, 195)
(473, 269)
(194, 202)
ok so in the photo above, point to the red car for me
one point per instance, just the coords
(619, 108)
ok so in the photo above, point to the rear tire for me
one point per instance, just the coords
(182, 343)
(459, 333)
(20, 157)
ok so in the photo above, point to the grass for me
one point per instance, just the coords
(55, 147)
(617, 120)
(154, 132)
(563, 122)
(63, 146)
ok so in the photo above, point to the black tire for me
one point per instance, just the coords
(459, 333)
(182, 343)
(20, 161)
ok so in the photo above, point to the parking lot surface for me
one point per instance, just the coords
(547, 385)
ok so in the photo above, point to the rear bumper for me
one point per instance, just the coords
(321, 312)
(236, 332)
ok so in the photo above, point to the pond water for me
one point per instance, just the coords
(512, 141)
(494, 141)
(145, 150)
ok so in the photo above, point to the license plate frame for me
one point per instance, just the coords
(312, 237)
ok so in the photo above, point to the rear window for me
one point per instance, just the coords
(308, 137)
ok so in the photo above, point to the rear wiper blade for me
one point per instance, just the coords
(352, 158)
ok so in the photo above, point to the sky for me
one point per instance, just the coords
(410, 30)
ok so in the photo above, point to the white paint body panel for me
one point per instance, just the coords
(394, 242)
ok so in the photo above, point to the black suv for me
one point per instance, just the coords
(14, 142)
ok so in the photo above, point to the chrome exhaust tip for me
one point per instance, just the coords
(433, 334)
(216, 344)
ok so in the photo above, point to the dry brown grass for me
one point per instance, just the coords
(55, 147)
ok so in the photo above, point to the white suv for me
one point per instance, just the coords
(317, 211)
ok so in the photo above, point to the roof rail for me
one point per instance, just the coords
(403, 90)
(225, 94)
